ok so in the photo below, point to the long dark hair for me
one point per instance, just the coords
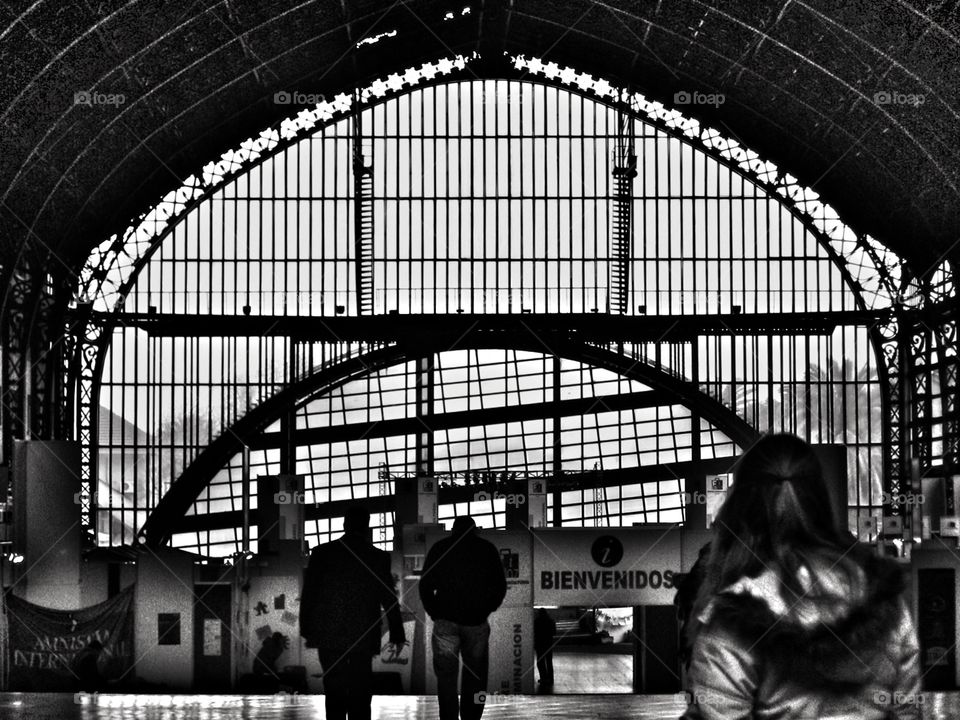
(779, 517)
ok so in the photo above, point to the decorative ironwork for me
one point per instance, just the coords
(111, 273)
(621, 230)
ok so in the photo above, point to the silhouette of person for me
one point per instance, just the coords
(544, 631)
(688, 585)
(86, 667)
(273, 647)
(462, 583)
(346, 584)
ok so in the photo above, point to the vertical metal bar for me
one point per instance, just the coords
(424, 395)
(245, 490)
(557, 445)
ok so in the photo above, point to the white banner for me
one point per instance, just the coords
(612, 567)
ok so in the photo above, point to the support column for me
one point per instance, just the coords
(907, 369)
(695, 485)
(557, 519)
(288, 422)
(424, 394)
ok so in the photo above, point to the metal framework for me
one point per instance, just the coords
(287, 179)
(426, 419)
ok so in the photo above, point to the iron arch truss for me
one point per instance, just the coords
(873, 276)
(666, 388)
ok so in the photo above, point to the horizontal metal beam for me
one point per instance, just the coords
(462, 494)
(465, 418)
(497, 330)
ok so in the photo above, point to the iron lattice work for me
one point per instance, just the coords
(112, 273)
(32, 364)
(16, 356)
(363, 221)
(621, 228)
(352, 437)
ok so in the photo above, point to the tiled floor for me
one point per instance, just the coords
(24, 706)
(591, 673)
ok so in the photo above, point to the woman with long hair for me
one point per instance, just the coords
(795, 618)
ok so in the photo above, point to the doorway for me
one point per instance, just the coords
(593, 651)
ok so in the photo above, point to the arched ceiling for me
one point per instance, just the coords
(800, 79)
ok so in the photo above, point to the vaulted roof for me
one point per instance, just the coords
(859, 99)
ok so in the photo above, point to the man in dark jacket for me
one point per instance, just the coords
(346, 584)
(462, 583)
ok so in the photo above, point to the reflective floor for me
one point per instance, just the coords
(578, 673)
(29, 706)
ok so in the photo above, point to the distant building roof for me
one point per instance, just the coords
(116, 430)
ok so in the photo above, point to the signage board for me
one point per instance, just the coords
(611, 567)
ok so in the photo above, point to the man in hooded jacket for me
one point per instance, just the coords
(462, 583)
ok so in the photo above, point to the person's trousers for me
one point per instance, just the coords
(545, 666)
(450, 643)
(347, 683)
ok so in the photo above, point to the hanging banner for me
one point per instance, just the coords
(605, 567)
(65, 650)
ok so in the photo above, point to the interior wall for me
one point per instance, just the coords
(164, 585)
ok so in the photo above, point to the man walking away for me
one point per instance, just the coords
(345, 586)
(462, 583)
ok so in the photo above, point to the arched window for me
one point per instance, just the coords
(479, 197)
